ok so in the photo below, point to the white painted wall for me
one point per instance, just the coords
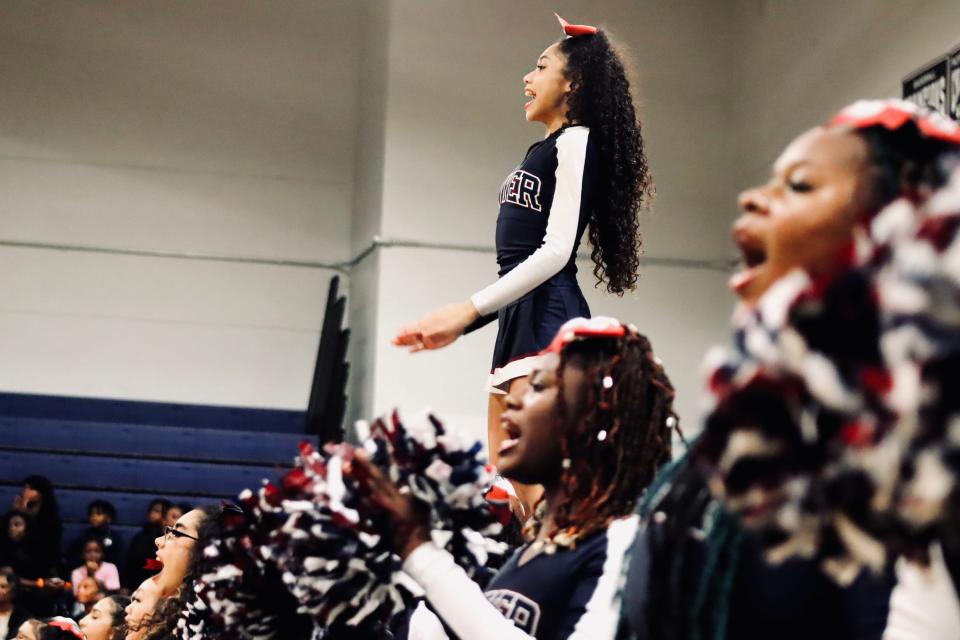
(219, 127)
(802, 61)
(300, 129)
(455, 128)
(372, 38)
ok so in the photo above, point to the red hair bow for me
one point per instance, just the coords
(573, 30)
(67, 625)
(893, 114)
(581, 328)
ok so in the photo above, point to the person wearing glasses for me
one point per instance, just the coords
(179, 546)
(179, 549)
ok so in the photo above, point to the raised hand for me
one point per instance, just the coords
(408, 525)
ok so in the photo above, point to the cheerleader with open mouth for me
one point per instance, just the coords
(589, 170)
(830, 448)
(592, 427)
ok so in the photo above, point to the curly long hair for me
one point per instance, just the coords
(163, 623)
(617, 446)
(600, 99)
(118, 605)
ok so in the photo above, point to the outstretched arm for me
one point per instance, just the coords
(441, 327)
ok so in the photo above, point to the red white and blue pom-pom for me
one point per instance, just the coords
(834, 425)
(315, 537)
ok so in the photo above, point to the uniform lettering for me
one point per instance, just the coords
(523, 612)
(523, 189)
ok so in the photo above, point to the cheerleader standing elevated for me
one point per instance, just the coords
(589, 170)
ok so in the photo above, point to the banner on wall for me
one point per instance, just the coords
(931, 85)
(953, 86)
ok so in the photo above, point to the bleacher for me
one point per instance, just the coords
(130, 452)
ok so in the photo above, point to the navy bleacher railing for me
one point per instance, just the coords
(129, 452)
(24, 405)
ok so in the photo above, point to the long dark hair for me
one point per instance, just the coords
(624, 437)
(117, 613)
(600, 99)
(49, 507)
(166, 614)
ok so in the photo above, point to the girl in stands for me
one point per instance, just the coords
(34, 536)
(12, 613)
(181, 544)
(180, 549)
(89, 592)
(592, 427)
(140, 610)
(94, 566)
(142, 545)
(105, 618)
(590, 169)
(57, 628)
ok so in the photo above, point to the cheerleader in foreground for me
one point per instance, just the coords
(592, 427)
(830, 447)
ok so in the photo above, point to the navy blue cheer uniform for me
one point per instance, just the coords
(571, 594)
(544, 208)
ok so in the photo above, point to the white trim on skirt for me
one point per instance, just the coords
(499, 381)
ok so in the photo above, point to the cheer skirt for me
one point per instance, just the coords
(528, 325)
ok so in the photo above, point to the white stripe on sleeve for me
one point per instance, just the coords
(457, 598)
(603, 609)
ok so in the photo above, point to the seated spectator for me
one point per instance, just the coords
(179, 550)
(38, 505)
(139, 612)
(100, 516)
(12, 614)
(105, 619)
(14, 552)
(182, 543)
(88, 593)
(94, 566)
(32, 542)
(29, 630)
(142, 546)
(174, 512)
(58, 628)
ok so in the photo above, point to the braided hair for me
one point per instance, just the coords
(600, 99)
(615, 448)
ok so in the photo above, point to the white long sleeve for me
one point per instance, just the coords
(457, 598)
(923, 605)
(465, 609)
(561, 233)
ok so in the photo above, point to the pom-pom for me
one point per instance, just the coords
(315, 537)
(833, 425)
